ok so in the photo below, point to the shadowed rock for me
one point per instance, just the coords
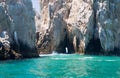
(90, 25)
(17, 18)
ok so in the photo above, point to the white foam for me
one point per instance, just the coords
(85, 58)
(110, 60)
(53, 54)
(105, 60)
(61, 58)
(47, 54)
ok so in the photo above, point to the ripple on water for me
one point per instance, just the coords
(63, 66)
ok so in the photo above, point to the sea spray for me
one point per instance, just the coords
(52, 54)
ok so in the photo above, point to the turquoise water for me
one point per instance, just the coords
(62, 66)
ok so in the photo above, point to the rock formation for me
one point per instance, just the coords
(83, 26)
(17, 19)
(107, 24)
(37, 21)
(53, 31)
(5, 48)
(80, 24)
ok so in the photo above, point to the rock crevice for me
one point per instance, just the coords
(92, 25)
(17, 19)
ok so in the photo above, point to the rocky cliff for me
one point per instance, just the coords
(53, 30)
(17, 19)
(79, 26)
(82, 26)
(107, 24)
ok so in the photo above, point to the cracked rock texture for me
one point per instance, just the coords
(53, 30)
(107, 22)
(17, 19)
(80, 24)
(83, 26)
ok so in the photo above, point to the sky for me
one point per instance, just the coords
(36, 5)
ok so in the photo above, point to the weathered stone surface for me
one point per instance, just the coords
(37, 21)
(5, 49)
(107, 22)
(5, 20)
(53, 25)
(80, 24)
(22, 13)
(71, 22)
(17, 18)
(91, 25)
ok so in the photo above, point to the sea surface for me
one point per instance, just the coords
(62, 66)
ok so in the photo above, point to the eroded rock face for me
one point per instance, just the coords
(6, 52)
(71, 23)
(17, 18)
(22, 13)
(53, 29)
(80, 24)
(5, 19)
(83, 26)
(107, 22)
(37, 21)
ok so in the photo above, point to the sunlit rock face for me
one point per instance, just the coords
(83, 26)
(37, 21)
(54, 14)
(70, 23)
(18, 20)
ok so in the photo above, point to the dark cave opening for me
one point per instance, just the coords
(115, 52)
(66, 46)
(70, 47)
(94, 47)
